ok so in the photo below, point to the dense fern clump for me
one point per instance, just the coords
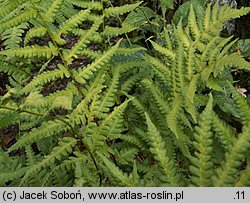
(63, 95)
(91, 109)
(193, 112)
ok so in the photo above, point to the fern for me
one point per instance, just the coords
(63, 148)
(228, 171)
(50, 14)
(201, 163)
(192, 59)
(243, 179)
(13, 35)
(10, 169)
(120, 10)
(157, 148)
(84, 74)
(54, 127)
(71, 23)
(123, 178)
(22, 17)
(242, 106)
(31, 51)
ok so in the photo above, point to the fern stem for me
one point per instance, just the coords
(112, 155)
(96, 166)
(21, 111)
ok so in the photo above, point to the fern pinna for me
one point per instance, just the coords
(91, 110)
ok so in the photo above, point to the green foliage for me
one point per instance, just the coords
(66, 106)
(192, 60)
(92, 109)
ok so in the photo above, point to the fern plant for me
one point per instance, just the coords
(62, 95)
(193, 112)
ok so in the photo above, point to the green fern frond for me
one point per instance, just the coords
(123, 179)
(227, 173)
(35, 32)
(12, 36)
(190, 95)
(66, 165)
(157, 148)
(210, 46)
(215, 10)
(168, 40)
(50, 14)
(232, 61)
(30, 155)
(80, 180)
(85, 73)
(8, 6)
(219, 16)
(114, 31)
(244, 178)
(193, 24)
(159, 67)
(71, 23)
(126, 155)
(43, 79)
(191, 62)
(93, 55)
(182, 36)
(202, 164)
(223, 131)
(21, 18)
(218, 49)
(138, 105)
(131, 139)
(85, 174)
(168, 53)
(129, 83)
(178, 71)
(226, 49)
(92, 90)
(7, 118)
(157, 95)
(172, 117)
(81, 44)
(207, 18)
(120, 10)
(227, 13)
(10, 169)
(243, 108)
(63, 149)
(47, 129)
(113, 124)
(6, 176)
(32, 51)
(34, 99)
(103, 105)
(11, 69)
